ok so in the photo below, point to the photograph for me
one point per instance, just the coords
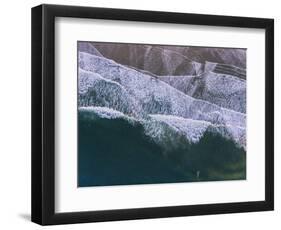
(158, 113)
(140, 114)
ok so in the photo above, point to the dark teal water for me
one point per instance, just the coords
(116, 152)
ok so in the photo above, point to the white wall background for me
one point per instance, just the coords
(15, 114)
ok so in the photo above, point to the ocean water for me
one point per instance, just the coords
(118, 152)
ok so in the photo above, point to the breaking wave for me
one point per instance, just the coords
(106, 83)
(115, 149)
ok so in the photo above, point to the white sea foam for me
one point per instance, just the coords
(162, 109)
(155, 96)
(160, 127)
(94, 90)
(193, 130)
(221, 89)
(105, 113)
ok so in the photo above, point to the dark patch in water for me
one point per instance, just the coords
(116, 152)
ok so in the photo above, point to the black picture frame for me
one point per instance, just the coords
(43, 114)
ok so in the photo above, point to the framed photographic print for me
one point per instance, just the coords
(142, 114)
